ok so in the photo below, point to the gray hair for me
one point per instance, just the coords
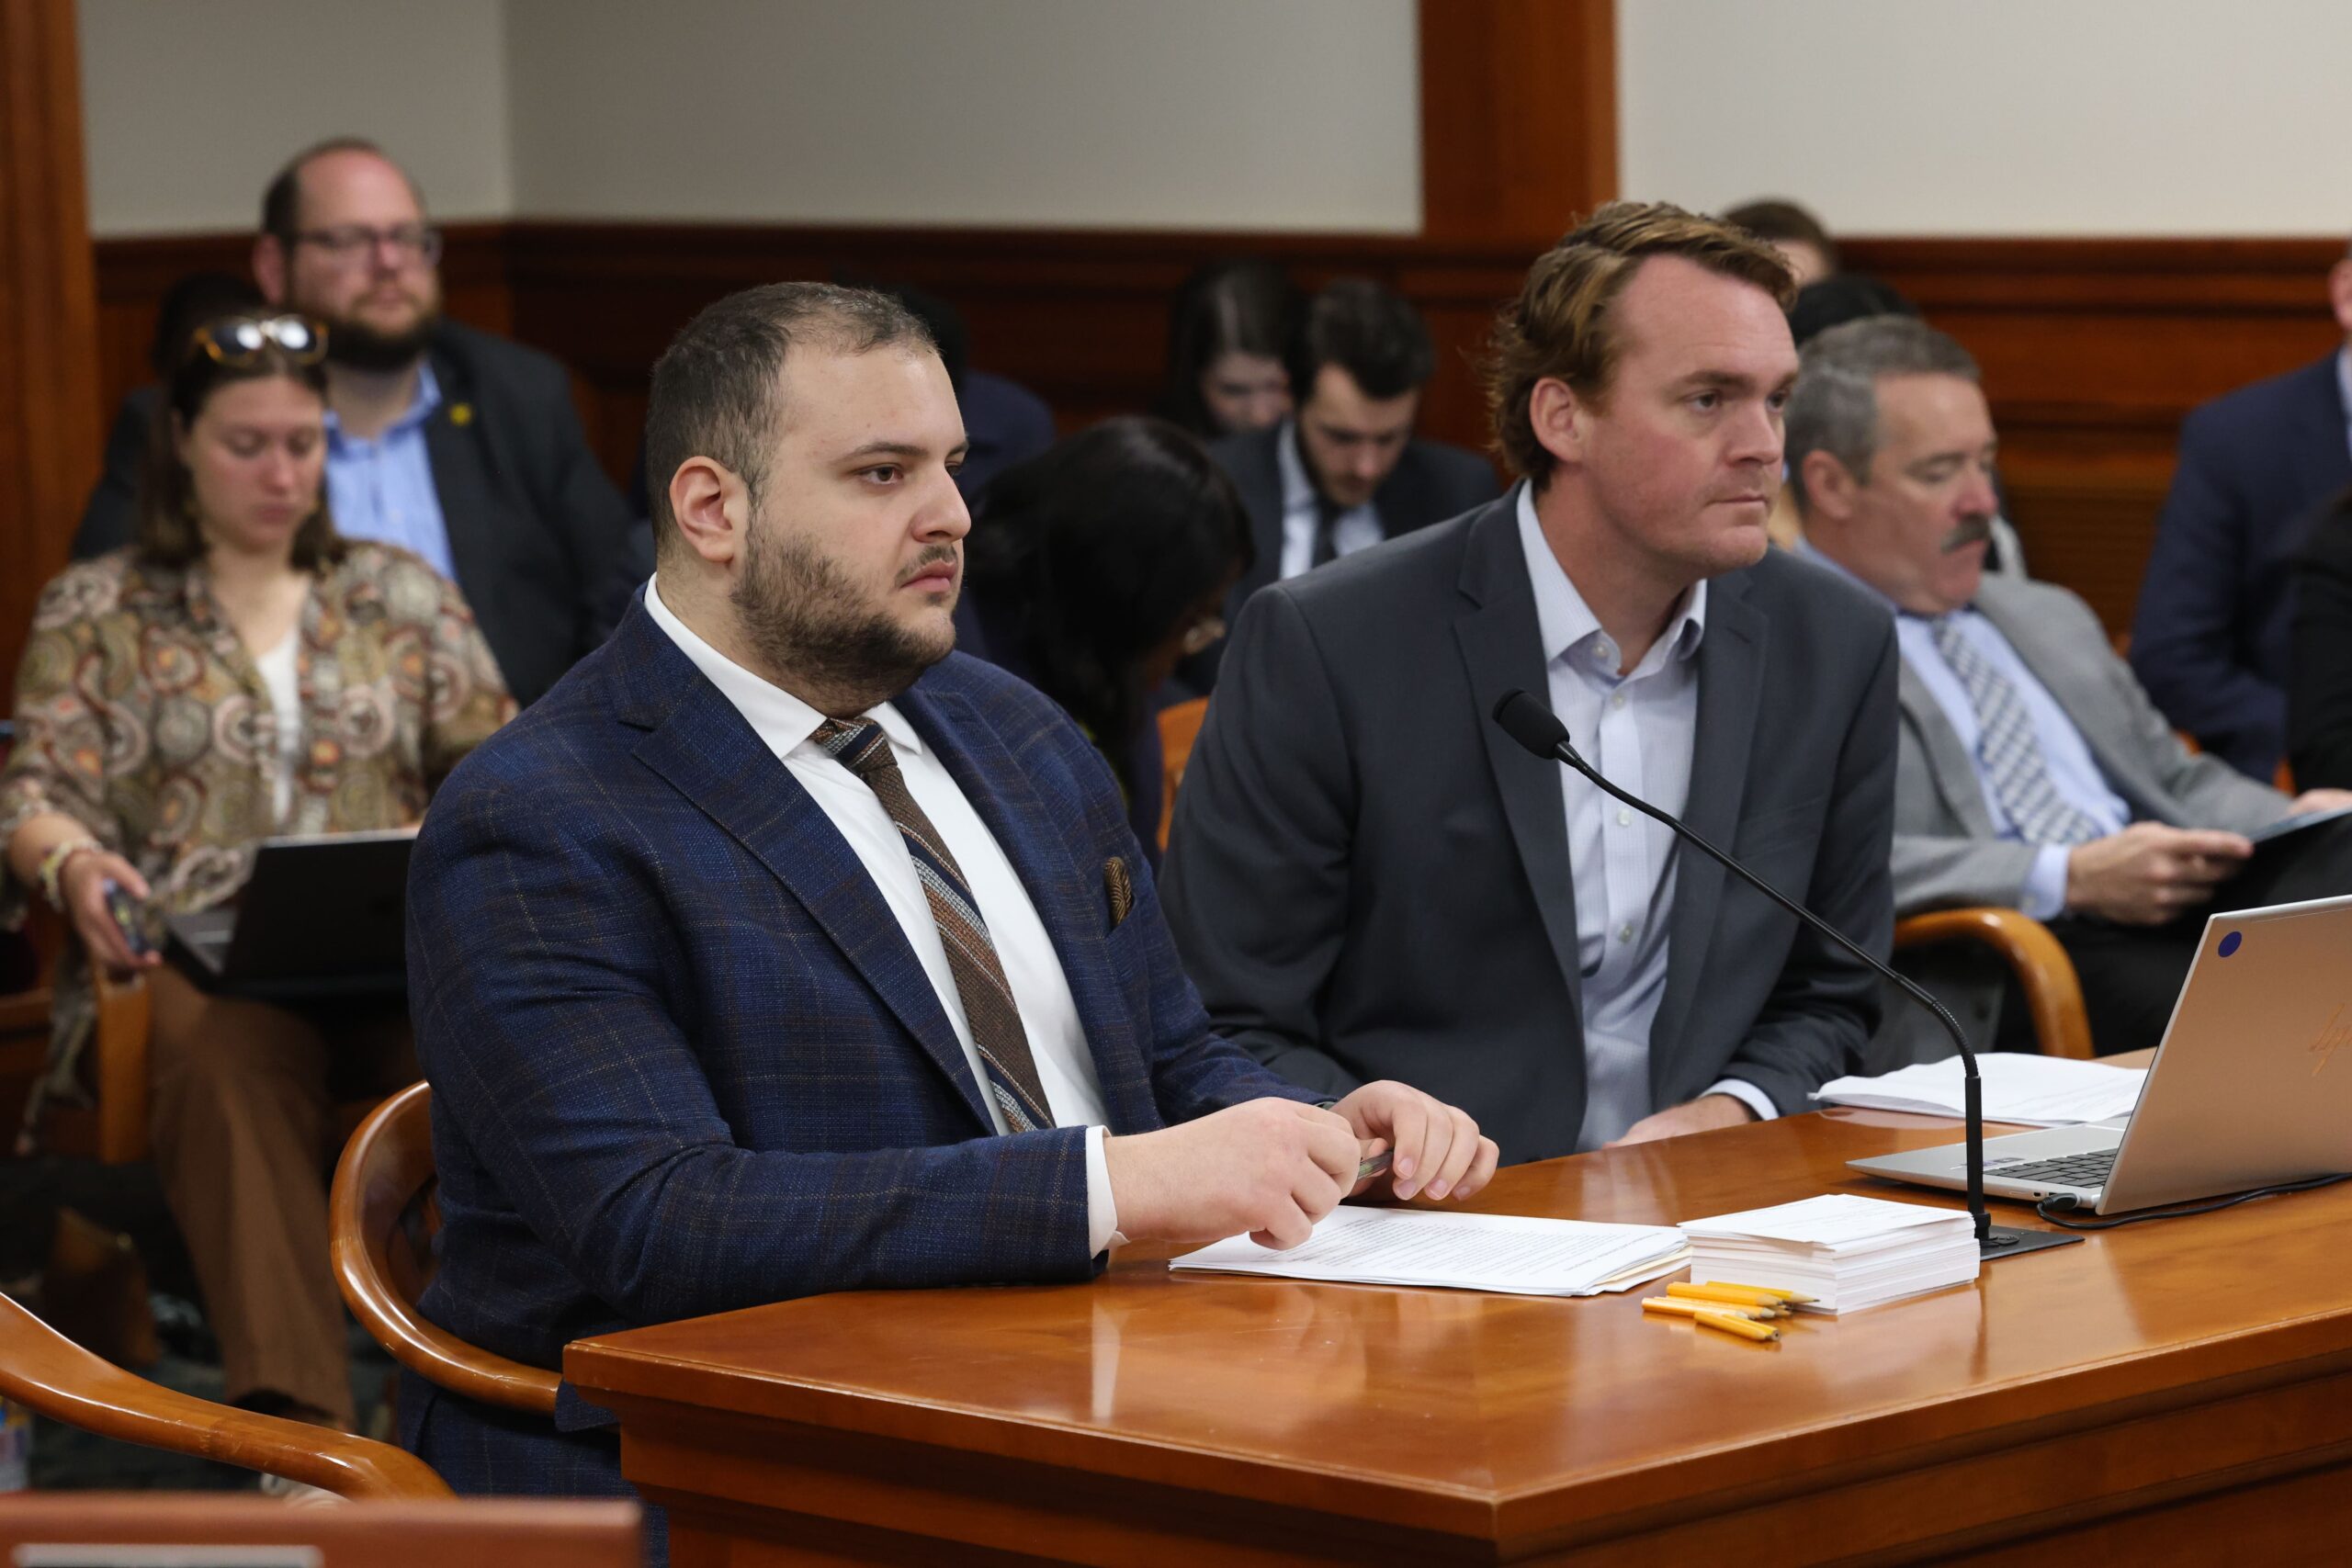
(1835, 406)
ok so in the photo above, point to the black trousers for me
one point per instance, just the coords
(2131, 975)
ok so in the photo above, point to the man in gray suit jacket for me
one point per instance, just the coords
(2035, 773)
(1368, 879)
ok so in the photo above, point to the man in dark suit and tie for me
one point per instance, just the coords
(2213, 634)
(782, 950)
(1344, 471)
(1369, 879)
(460, 447)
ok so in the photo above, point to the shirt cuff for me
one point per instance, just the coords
(1101, 1209)
(2045, 885)
(1747, 1094)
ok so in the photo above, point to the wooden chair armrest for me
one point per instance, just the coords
(119, 1062)
(43, 1371)
(2052, 992)
(363, 1267)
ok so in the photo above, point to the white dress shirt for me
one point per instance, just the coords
(1638, 731)
(1355, 529)
(280, 672)
(1040, 991)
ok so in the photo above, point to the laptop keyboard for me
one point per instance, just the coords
(2068, 1170)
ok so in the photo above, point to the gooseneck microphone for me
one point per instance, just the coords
(1539, 729)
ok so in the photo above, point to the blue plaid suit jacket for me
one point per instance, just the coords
(683, 1058)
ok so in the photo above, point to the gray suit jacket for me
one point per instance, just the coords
(1368, 879)
(1945, 853)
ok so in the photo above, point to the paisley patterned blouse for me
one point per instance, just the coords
(141, 714)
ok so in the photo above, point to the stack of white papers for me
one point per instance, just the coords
(1845, 1252)
(2039, 1091)
(1511, 1253)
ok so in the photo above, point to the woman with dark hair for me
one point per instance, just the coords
(1227, 335)
(1091, 570)
(238, 671)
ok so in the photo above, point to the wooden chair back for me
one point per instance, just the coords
(1180, 727)
(2053, 992)
(382, 1220)
(510, 1531)
(44, 1372)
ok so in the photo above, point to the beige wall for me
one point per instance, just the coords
(2003, 117)
(1240, 114)
(1243, 114)
(189, 106)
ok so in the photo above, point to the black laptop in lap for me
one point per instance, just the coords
(321, 918)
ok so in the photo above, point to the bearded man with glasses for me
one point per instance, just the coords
(458, 446)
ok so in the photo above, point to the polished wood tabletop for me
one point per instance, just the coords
(2151, 1363)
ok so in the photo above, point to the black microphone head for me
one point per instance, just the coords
(1532, 724)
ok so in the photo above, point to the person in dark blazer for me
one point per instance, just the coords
(1344, 471)
(2212, 633)
(1368, 878)
(2034, 773)
(2319, 691)
(449, 442)
(780, 948)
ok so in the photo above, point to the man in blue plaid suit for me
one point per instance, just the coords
(779, 950)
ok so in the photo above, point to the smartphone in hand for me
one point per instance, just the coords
(124, 910)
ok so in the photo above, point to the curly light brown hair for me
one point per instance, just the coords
(1561, 324)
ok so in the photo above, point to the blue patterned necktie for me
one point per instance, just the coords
(2007, 747)
(988, 1007)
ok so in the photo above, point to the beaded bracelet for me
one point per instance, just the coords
(52, 866)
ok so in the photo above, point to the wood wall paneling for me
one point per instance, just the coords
(2093, 350)
(1518, 116)
(49, 377)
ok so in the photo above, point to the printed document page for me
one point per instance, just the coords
(2033, 1091)
(1515, 1254)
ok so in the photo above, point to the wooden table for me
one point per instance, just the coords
(2171, 1392)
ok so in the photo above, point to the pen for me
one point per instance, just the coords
(1743, 1327)
(1373, 1167)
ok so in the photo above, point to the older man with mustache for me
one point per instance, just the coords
(2034, 771)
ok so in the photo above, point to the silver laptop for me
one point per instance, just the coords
(2252, 1086)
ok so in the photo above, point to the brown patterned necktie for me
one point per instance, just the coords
(988, 1007)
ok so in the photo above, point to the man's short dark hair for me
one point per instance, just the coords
(1367, 332)
(281, 204)
(1782, 222)
(718, 388)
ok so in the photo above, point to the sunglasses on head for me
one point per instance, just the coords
(238, 341)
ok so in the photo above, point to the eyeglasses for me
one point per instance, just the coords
(238, 341)
(1202, 632)
(349, 242)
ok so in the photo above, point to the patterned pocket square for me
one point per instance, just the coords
(1120, 884)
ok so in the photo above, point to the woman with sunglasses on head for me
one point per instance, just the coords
(1091, 570)
(236, 672)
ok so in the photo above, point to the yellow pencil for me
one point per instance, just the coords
(1745, 1295)
(1676, 1306)
(1791, 1297)
(1766, 1304)
(1746, 1328)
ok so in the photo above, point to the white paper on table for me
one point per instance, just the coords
(2038, 1092)
(1515, 1254)
(1834, 1220)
